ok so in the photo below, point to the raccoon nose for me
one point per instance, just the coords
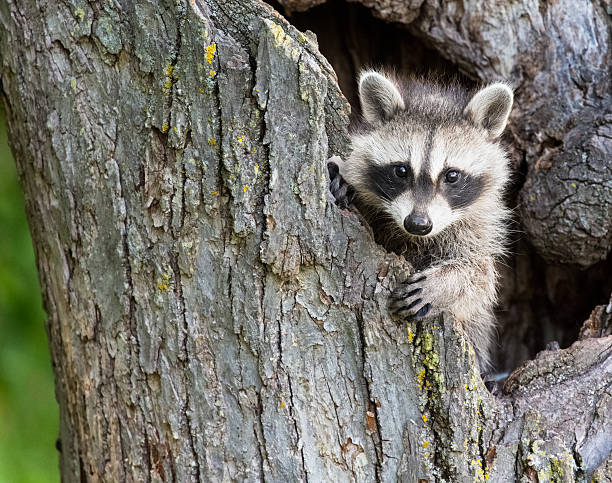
(416, 224)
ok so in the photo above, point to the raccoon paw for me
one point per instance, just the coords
(411, 299)
(340, 189)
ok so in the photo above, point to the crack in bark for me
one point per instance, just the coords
(174, 254)
(185, 361)
(260, 437)
(481, 443)
(299, 440)
(371, 404)
(331, 397)
(134, 340)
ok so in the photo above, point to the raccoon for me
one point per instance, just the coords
(428, 173)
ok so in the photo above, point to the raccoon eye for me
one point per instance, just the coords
(452, 176)
(400, 171)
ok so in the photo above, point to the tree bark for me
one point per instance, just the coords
(212, 316)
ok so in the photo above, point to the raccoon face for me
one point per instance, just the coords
(428, 156)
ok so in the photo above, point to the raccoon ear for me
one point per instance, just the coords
(380, 98)
(490, 108)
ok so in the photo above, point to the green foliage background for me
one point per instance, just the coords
(28, 410)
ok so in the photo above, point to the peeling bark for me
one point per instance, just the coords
(212, 315)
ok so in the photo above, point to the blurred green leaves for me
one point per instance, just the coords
(28, 410)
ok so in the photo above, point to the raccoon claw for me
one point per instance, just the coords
(407, 308)
(414, 292)
(334, 177)
(423, 311)
(415, 278)
(408, 299)
(340, 189)
(332, 169)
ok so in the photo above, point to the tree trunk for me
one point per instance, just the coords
(212, 315)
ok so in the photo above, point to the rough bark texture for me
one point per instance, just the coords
(212, 315)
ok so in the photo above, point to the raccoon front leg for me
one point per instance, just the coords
(339, 188)
(461, 286)
(465, 288)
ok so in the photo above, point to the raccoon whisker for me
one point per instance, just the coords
(387, 196)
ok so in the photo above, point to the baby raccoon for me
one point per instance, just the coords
(428, 173)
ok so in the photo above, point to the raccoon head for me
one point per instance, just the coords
(428, 156)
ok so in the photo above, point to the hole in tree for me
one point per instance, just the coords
(352, 39)
(539, 302)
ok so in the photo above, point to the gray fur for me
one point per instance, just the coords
(430, 130)
(379, 96)
(490, 108)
